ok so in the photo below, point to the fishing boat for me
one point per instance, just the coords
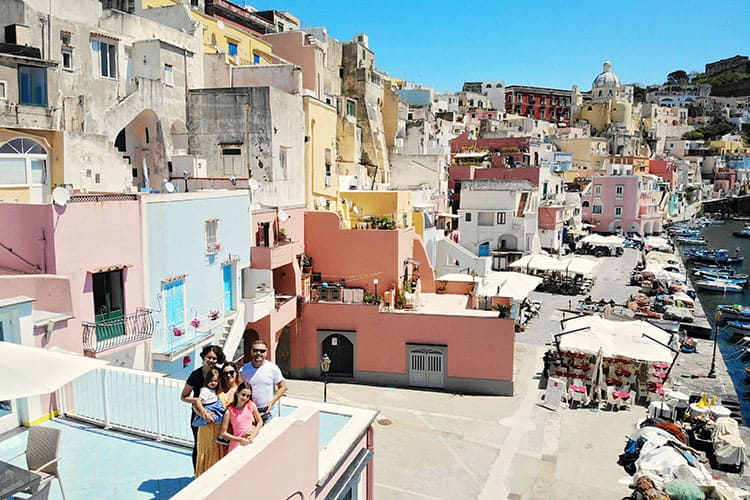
(734, 312)
(691, 240)
(741, 217)
(710, 255)
(745, 233)
(712, 268)
(741, 327)
(736, 279)
(718, 286)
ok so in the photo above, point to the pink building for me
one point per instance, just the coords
(618, 203)
(304, 50)
(666, 169)
(419, 347)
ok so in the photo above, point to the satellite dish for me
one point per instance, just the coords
(169, 187)
(254, 185)
(322, 201)
(220, 24)
(283, 216)
(60, 196)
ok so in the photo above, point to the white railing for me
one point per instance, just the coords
(137, 402)
(236, 333)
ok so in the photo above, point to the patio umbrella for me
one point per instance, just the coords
(31, 371)
(599, 383)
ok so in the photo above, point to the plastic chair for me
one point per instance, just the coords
(42, 456)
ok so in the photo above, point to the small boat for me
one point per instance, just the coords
(736, 279)
(741, 217)
(734, 312)
(685, 240)
(718, 286)
(709, 268)
(742, 327)
(745, 233)
(722, 276)
(717, 222)
(710, 255)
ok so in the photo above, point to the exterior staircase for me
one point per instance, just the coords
(232, 332)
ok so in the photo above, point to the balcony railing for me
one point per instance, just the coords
(107, 334)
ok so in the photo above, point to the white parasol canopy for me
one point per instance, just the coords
(579, 265)
(508, 284)
(599, 240)
(31, 371)
(616, 339)
(538, 262)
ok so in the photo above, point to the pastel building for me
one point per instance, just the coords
(194, 247)
(622, 202)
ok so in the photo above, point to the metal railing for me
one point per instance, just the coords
(143, 403)
(103, 335)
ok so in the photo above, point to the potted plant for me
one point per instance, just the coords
(283, 235)
(214, 315)
(307, 264)
(502, 309)
(177, 331)
(195, 323)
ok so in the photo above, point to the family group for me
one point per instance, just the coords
(230, 404)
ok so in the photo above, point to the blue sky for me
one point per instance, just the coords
(441, 44)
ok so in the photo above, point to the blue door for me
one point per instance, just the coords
(484, 250)
(228, 288)
(174, 301)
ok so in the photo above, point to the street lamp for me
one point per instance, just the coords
(375, 282)
(712, 371)
(325, 366)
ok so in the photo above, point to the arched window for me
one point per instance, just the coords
(23, 161)
(585, 204)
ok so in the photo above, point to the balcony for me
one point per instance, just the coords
(272, 257)
(108, 334)
(259, 305)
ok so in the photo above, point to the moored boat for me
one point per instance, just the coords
(745, 233)
(742, 327)
(736, 279)
(734, 312)
(710, 255)
(691, 241)
(718, 286)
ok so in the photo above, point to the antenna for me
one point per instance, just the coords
(60, 196)
(220, 24)
(169, 187)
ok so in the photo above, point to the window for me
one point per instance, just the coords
(23, 162)
(282, 161)
(232, 160)
(597, 190)
(3, 90)
(32, 85)
(256, 59)
(619, 190)
(169, 75)
(351, 107)
(67, 58)
(232, 48)
(467, 218)
(485, 219)
(212, 236)
(618, 212)
(596, 209)
(106, 53)
(328, 179)
(501, 217)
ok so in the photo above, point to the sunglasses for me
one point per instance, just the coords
(261, 351)
(229, 374)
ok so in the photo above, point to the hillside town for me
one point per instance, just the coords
(197, 186)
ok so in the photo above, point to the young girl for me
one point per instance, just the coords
(210, 413)
(244, 418)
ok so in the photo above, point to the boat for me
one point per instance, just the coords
(741, 217)
(742, 327)
(736, 279)
(734, 312)
(710, 255)
(745, 233)
(689, 240)
(718, 286)
(712, 268)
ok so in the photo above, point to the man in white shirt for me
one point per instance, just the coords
(265, 378)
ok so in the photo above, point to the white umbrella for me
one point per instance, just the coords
(31, 371)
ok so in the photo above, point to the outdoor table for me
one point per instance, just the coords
(719, 411)
(622, 372)
(578, 388)
(681, 398)
(614, 381)
(659, 409)
(660, 365)
(620, 395)
(659, 375)
(15, 479)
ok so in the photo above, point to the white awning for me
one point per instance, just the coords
(616, 339)
(31, 371)
(538, 262)
(508, 284)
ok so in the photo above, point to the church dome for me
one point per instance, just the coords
(606, 78)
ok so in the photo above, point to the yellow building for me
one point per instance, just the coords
(610, 103)
(589, 153)
(729, 145)
(364, 208)
(240, 47)
(321, 178)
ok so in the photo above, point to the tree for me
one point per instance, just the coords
(678, 77)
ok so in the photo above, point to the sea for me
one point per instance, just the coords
(720, 236)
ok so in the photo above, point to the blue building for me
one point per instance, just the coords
(194, 247)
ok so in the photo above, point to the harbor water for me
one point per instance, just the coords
(720, 236)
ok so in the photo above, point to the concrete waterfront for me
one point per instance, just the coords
(436, 445)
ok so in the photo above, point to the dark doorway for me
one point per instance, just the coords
(341, 352)
(109, 304)
(283, 354)
(248, 338)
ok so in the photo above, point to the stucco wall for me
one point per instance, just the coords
(479, 350)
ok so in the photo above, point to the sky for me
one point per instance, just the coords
(543, 43)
